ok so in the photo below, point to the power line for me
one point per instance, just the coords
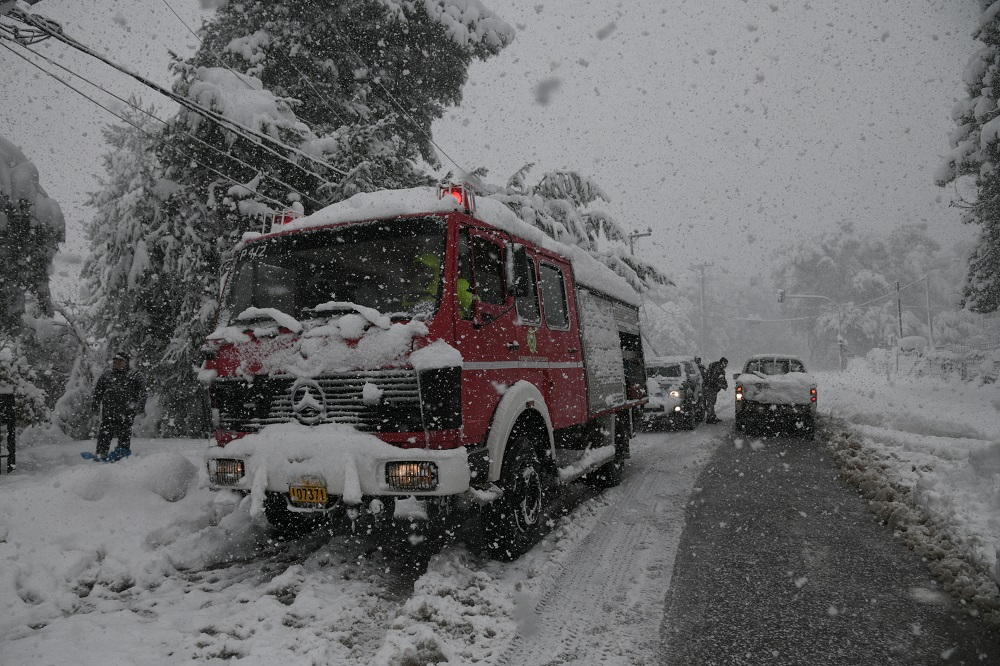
(195, 138)
(126, 120)
(219, 59)
(398, 105)
(227, 123)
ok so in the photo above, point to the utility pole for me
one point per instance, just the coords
(637, 234)
(899, 309)
(702, 267)
(927, 300)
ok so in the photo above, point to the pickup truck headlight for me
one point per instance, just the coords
(676, 394)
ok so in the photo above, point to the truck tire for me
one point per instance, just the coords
(808, 427)
(290, 524)
(741, 423)
(513, 522)
(691, 417)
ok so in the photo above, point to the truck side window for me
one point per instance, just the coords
(527, 306)
(465, 281)
(554, 297)
(488, 267)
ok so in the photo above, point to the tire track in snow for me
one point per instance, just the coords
(605, 602)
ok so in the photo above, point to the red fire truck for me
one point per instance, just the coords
(415, 348)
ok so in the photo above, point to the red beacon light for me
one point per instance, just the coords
(287, 216)
(463, 194)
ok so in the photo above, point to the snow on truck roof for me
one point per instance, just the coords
(667, 360)
(589, 272)
(790, 357)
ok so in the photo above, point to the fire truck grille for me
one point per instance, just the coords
(391, 402)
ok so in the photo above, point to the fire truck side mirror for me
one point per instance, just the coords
(518, 273)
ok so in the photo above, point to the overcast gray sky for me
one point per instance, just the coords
(727, 126)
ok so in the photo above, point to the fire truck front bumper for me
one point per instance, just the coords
(343, 474)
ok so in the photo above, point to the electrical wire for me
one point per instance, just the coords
(193, 137)
(398, 105)
(227, 123)
(219, 59)
(216, 55)
(129, 122)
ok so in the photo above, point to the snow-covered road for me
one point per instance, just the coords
(138, 563)
(602, 600)
(104, 569)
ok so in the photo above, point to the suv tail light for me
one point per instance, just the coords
(812, 395)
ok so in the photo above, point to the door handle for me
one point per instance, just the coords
(513, 346)
(572, 350)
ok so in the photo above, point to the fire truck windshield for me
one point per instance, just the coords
(395, 267)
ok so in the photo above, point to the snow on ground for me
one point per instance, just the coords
(137, 562)
(926, 451)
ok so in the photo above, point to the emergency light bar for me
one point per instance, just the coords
(463, 194)
(280, 219)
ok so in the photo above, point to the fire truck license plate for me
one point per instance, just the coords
(307, 494)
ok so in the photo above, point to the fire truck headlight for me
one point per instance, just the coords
(411, 475)
(226, 471)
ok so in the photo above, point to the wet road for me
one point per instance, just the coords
(780, 562)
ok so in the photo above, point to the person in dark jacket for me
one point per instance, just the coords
(715, 381)
(702, 408)
(122, 393)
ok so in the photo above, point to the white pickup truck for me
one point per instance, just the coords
(775, 389)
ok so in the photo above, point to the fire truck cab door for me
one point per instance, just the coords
(486, 333)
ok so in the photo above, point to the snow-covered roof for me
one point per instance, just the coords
(780, 357)
(589, 272)
(664, 360)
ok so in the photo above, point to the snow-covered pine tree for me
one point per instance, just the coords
(128, 305)
(859, 270)
(356, 84)
(976, 153)
(31, 228)
(559, 204)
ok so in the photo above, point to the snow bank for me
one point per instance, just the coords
(90, 527)
(926, 452)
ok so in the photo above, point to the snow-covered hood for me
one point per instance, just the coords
(354, 341)
(789, 389)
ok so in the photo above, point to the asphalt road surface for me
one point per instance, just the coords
(780, 562)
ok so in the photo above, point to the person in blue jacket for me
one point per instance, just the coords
(122, 393)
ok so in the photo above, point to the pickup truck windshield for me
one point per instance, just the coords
(775, 366)
(395, 267)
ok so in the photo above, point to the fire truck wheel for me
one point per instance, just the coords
(512, 523)
(289, 524)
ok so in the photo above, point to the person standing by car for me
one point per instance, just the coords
(122, 392)
(715, 381)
